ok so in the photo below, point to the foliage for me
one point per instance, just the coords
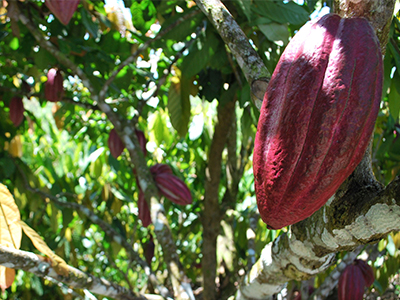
(58, 166)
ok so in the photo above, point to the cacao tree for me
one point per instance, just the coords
(126, 161)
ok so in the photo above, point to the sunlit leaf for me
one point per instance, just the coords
(10, 234)
(276, 32)
(59, 265)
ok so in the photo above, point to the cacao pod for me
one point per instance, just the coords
(173, 188)
(144, 211)
(149, 249)
(142, 140)
(354, 279)
(63, 10)
(160, 168)
(16, 110)
(53, 88)
(367, 271)
(115, 144)
(317, 117)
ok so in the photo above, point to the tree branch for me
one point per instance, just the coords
(212, 214)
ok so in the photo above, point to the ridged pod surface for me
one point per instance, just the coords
(63, 10)
(317, 117)
(354, 279)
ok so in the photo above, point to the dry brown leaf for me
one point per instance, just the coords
(58, 264)
(7, 276)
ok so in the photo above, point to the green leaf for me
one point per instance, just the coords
(395, 53)
(159, 130)
(199, 56)
(245, 6)
(43, 59)
(281, 12)
(275, 32)
(182, 29)
(394, 98)
(137, 15)
(14, 44)
(179, 105)
(88, 23)
(387, 70)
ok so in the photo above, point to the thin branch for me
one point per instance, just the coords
(30, 262)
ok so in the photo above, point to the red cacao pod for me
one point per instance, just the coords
(351, 283)
(142, 140)
(317, 117)
(173, 188)
(63, 10)
(144, 211)
(366, 270)
(53, 88)
(149, 249)
(16, 110)
(115, 143)
(160, 168)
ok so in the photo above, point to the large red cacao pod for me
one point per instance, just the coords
(115, 144)
(53, 88)
(317, 117)
(63, 10)
(16, 110)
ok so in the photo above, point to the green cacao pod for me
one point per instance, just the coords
(317, 117)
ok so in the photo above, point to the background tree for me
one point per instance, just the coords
(191, 76)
